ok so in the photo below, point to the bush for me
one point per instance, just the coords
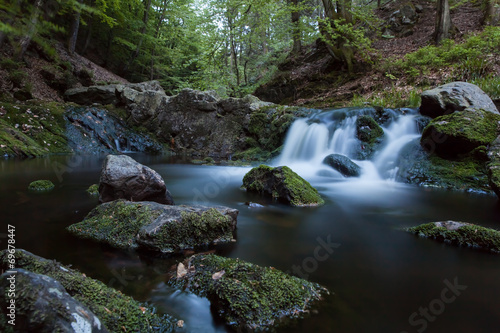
(17, 77)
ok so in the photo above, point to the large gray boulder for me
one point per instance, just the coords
(155, 227)
(343, 164)
(93, 94)
(455, 96)
(43, 305)
(124, 178)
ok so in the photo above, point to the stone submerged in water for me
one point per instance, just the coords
(459, 133)
(343, 164)
(124, 178)
(43, 305)
(461, 234)
(245, 295)
(116, 311)
(155, 227)
(283, 185)
(455, 96)
(41, 185)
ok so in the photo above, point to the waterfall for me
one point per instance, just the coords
(310, 140)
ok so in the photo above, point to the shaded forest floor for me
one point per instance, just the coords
(318, 82)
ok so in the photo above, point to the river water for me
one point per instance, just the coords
(382, 279)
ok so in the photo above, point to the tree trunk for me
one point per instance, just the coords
(443, 21)
(157, 34)
(74, 32)
(26, 40)
(135, 54)
(296, 33)
(491, 12)
(88, 36)
(232, 45)
(337, 47)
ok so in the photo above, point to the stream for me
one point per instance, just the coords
(381, 279)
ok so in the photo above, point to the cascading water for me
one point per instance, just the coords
(310, 140)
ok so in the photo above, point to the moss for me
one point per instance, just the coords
(93, 190)
(246, 295)
(194, 230)
(368, 130)
(461, 234)
(253, 154)
(41, 185)
(118, 312)
(461, 132)
(283, 185)
(31, 130)
(115, 223)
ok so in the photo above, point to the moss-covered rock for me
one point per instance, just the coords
(245, 295)
(93, 190)
(156, 227)
(461, 234)
(42, 305)
(41, 185)
(461, 132)
(494, 165)
(368, 130)
(283, 185)
(117, 312)
(416, 166)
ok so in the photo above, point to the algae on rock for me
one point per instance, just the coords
(245, 295)
(283, 185)
(461, 234)
(41, 185)
(116, 311)
(152, 226)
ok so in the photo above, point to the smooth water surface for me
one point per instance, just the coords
(379, 276)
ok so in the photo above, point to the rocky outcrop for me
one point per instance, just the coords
(494, 165)
(124, 178)
(417, 166)
(43, 305)
(402, 21)
(460, 133)
(155, 227)
(195, 122)
(283, 185)
(247, 296)
(368, 130)
(343, 164)
(41, 185)
(455, 96)
(461, 234)
(116, 311)
(95, 130)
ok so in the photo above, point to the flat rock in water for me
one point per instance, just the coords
(43, 305)
(460, 234)
(124, 178)
(155, 227)
(455, 96)
(247, 296)
(343, 164)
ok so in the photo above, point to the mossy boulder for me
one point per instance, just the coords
(461, 234)
(368, 130)
(155, 227)
(494, 165)
(43, 305)
(283, 185)
(117, 312)
(455, 96)
(417, 166)
(247, 296)
(459, 133)
(343, 164)
(93, 190)
(41, 185)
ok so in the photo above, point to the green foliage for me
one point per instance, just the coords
(17, 77)
(41, 185)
